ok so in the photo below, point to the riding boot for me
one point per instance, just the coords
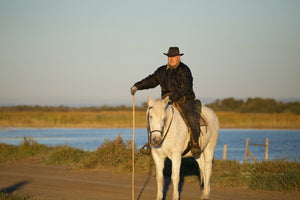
(196, 151)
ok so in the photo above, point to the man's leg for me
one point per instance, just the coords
(192, 116)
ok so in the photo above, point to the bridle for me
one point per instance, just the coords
(160, 131)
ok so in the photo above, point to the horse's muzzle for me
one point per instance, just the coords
(156, 141)
(156, 137)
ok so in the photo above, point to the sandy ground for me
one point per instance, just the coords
(33, 179)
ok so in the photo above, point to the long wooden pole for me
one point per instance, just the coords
(224, 152)
(133, 133)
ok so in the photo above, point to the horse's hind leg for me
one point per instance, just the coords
(205, 165)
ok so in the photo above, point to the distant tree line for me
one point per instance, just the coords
(255, 105)
(251, 105)
(61, 108)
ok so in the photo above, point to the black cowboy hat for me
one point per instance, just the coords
(173, 51)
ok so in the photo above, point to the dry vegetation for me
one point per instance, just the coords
(123, 119)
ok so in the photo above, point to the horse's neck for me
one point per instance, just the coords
(170, 116)
(179, 128)
(177, 119)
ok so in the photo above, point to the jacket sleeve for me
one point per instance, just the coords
(150, 81)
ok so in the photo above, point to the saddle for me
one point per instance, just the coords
(202, 121)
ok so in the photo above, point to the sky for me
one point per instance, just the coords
(81, 53)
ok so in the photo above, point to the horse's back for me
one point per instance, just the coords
(213, 124)
(210, 117)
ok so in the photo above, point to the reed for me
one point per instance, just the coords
(123, 119)
(259, 120)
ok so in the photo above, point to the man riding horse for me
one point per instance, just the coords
(176, 81)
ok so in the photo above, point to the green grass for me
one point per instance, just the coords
(279, 175)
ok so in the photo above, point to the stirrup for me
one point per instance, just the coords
(146, 149)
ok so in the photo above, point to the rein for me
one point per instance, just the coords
(160, 131)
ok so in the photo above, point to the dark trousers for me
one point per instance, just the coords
(192, 116)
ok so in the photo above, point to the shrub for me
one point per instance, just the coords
(30, 147)
(8, 152)
(65, 155)
(111, 154)
(27, 148)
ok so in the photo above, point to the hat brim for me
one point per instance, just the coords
(173, 55)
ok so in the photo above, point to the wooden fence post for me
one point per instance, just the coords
(224, 152)
(246, 152)
(249, 153)
(267, 149)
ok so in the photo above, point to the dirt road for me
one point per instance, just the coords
(33, 179)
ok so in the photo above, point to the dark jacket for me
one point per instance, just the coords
(176, 83)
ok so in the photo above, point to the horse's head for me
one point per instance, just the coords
(156, 118)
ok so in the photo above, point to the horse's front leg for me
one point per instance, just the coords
(159, 164)
(176, 163)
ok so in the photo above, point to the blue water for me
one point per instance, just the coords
(283, 144)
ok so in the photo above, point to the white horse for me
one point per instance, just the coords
(169, 137)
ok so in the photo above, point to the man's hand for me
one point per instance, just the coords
(133, 90)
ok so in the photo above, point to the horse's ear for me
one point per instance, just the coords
(150, 101)
(166, 100)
